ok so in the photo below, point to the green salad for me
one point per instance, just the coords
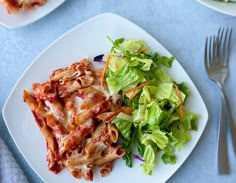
(159, 123)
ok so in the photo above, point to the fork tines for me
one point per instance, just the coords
(226, 43)
(217, 48)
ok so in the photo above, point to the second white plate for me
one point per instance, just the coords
(226, 8)
(89, 39)
(26, 17)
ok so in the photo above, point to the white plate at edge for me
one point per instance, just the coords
(29, 16)
(89, 39)
(225, 8)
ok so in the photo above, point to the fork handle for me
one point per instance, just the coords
(230, 118)
(222, 152)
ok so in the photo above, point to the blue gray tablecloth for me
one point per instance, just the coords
(9, 169)
(180, 25)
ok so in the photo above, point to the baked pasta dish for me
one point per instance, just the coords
(14, 6)
(74, 113)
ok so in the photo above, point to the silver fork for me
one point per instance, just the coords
(217, 50)
(222, 149)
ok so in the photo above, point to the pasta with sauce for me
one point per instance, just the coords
(15, 6)
(74, 114)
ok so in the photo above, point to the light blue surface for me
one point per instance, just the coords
(179, 25)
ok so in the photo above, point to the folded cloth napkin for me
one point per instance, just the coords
(10, 171)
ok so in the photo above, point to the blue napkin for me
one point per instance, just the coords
(10, 171)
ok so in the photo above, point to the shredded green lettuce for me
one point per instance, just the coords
(123, 122)
(156, 137)
(149, 157)
(155, 125)
(168, 156)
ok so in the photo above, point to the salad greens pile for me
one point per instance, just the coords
(159, 122)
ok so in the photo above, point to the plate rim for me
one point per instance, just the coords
(105, 14)
(216, 8)
(12, 26)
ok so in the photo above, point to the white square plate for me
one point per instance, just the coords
(29, 16)
(226, 8)
(89, 39)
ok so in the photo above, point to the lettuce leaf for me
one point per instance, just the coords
(127, 145)
(149, 157)
(156, 137)
(124, 123)
(166, 61)
(168, 156)
(140, 146)
(123, 78)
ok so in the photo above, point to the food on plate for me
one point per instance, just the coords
(14, 6)
(159, 122)
(226, 0)
(91, 117)
(74, 114)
